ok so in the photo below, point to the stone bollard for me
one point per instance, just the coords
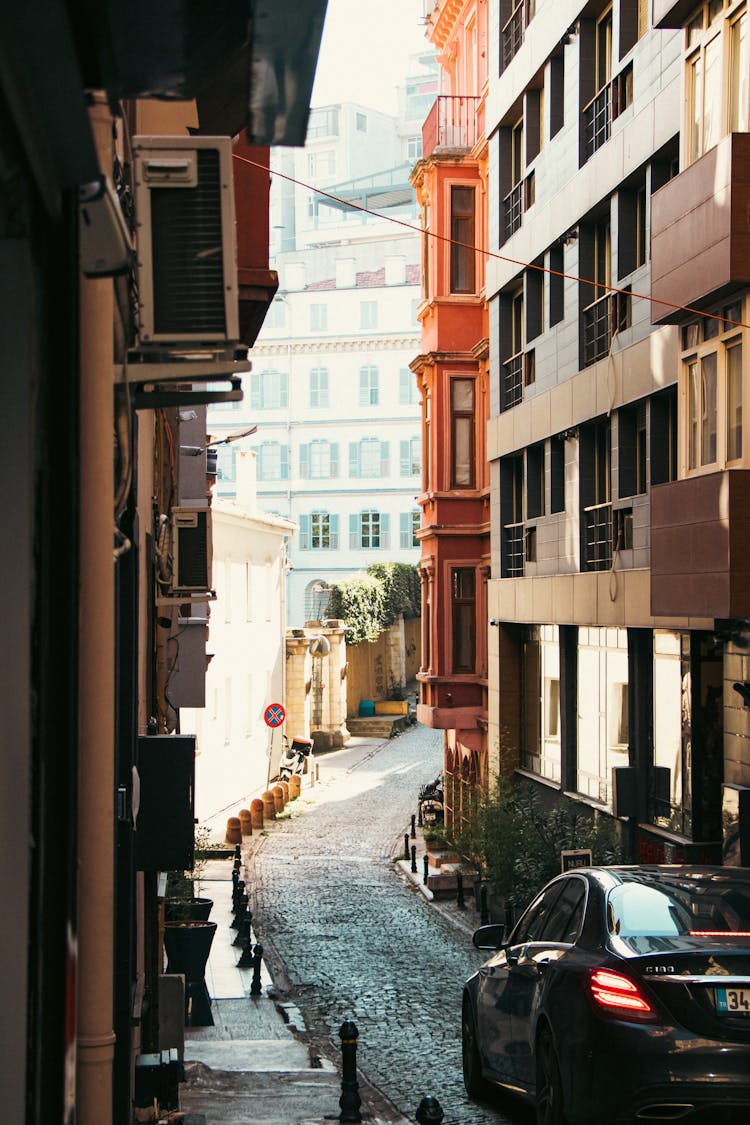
(278, 799)
(429, 1110)
(284, 787)
(350, 1100)
(269, 805)
(234, 830)
(256, 812)
(246, 823)
(256, 988)
(295, 786)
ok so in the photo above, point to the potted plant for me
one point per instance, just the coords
(181, 903)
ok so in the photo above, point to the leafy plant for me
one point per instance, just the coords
(369, 602)
(181, 884)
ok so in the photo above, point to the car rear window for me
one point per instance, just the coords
(641, 909)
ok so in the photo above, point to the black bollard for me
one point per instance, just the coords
(256, 988)
(237, 892)
(243, 932)
(350, 1100)
(419, 812)
(406, 845)
(237, 851)
(246, 957)
(426, 862)
(460, 901)
(239, 912)
(414, 857)
(484, 914)
(413, 827)
(429, 1110)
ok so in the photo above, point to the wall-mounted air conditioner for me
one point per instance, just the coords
(191, 551)
(185, 242)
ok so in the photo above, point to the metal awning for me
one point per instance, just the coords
(381, 190)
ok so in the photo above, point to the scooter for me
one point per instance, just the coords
(294, 757)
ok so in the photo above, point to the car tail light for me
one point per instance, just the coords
(619, 993)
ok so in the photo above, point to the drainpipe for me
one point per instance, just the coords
(95, 1036)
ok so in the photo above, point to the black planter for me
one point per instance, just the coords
(187, 909)
(187, 945)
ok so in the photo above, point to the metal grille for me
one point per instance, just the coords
(511, 391)
(513, 210)
(597, 121)
(513, 556)
(512, 33)
(597, 537)
(597, 329)
(188, 264)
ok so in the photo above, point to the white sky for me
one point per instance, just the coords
(365, 50)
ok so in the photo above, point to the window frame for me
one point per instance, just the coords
(707, 337)
(457, 417)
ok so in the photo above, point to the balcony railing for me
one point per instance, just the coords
(597, 121)
(597, 329)
(451, 123)
(512, 34)
(597, 537)
(511, 389)
(513, 210)
(514, 550)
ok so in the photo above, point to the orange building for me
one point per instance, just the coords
(452, 372)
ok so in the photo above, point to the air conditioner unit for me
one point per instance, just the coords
(191, 551)
(185, 242)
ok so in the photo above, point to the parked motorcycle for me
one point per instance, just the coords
(294, 757)
(431, 806)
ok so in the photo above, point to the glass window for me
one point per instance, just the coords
(564, 919)
(734, 402)
(408, 391)
(462, 252)
(462, 437)
(370, 457)
(370, 529)
(702, 410)
(318, 318)
(368, 314)
(320, 530)
(532, 923)
(320, 459)
(463, 581)
(319, 386)
(602, 710)
(369, 381)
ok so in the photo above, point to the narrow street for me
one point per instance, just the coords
(350, 938)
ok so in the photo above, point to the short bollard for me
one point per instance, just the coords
(484, 914)
(429, 1110)
(234, 830)
(256, 988)
(237, 852)
(414, 858)
(295, 786)
(460, 901)
(419, 816)
(413, 827)
(243, 932)
(406, 845)
(256, 812)
(426, 862)
(246, 824)
(350, 1100)
(246, 957)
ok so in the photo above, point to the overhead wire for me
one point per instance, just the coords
(606, 287)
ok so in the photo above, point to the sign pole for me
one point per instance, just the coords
(273, 717)
(270, 745)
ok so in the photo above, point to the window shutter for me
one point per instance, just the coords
(385, 458)
(334, 533)
(256, 390)
(304, 461)
(284, 462)
(283, 388)
(353, 530)
(334, 458)
(405, 459)
(404, 524)
(364, 387)
(304, 533)
(354, 459)
(385, 533)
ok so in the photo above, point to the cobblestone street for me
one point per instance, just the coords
(349, 937)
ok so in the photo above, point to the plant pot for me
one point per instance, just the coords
(187, 945)
(187, 909)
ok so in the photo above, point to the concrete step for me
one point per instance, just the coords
(377, 726)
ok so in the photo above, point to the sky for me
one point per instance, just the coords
(365, 50)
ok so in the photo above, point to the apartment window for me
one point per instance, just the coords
(413, 148)
(556, 285)
(321, 163)
(514, 19)
(463, 598)
(462, 433)
(319, 386)
(535, 300)
(633, 23)
(540, 686)
(276, 315)
(226, 464)
(368, 530)
(597, 315)
(369, 384)
(603, 721)
(631, 450)
(714, 387)
(556, 94)
(595, 492)
(663, 412)
(462, 253)
(512, 332)
(511, 517)
(368, 314)
(557, 474)
(323, 123)
(318, 317)
(360, 122)
(739, 68)
(272, 461)
(411, 457)
(409, 525)
(597, 114)
(408, 391)
(535, 481)
(318, 460)
(269, 390)
(631, 238)
(369, 458)
(317, 600)
(319, 531)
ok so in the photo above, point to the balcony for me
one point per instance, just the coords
(700, 546)
(596, 537)
(700, 238)
(451, 124)
(514, 30)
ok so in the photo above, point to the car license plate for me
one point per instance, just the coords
(733, 1001)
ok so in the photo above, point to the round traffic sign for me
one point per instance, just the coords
(274, 715)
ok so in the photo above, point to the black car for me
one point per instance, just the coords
(622, 994)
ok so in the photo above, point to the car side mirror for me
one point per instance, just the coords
(490, 937)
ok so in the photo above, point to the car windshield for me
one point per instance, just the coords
(678, 908)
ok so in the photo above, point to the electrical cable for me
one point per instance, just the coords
(606, 288)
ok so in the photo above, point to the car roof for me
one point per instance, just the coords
(615, 875)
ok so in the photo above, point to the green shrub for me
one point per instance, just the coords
(369, 602)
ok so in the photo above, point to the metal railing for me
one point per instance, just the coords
(597, 121)
(514, 550)
(597, 329)
(513, 210)
(597, 537)
(512, 34)
(451, 123)
(511, 389)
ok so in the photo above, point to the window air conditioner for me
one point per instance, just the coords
(185, 242)
(191, 551)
